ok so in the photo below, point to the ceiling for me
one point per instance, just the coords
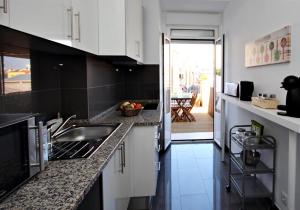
(213, 6)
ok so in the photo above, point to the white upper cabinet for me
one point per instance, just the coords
(85, 25)
(112, 39)
(121, 28)
(70, 22)
(152, 31)
(101, 27)
(4, 12)
(48, 19)
(134, 29)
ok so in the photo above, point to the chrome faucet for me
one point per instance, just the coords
(60, 129)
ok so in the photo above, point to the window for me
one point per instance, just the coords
(192, 34)
(16, 71)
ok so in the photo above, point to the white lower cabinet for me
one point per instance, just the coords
(116, 179)
(144, 160)
(133, 169)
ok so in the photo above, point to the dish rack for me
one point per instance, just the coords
(244, 176)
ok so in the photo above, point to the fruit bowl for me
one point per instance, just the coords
(130, 109)
(130, 113)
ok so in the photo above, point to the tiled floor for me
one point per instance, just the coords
(192, 177)
(192, 136)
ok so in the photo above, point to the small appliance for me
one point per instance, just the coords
(23, 150)
(246, 90)
(292, 85)
(232, 89)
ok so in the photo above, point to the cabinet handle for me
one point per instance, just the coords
(124, 158)
(158, 148)
(121, 160)
(138, 53)
(4, 7)
(157, 166)
(78, 22)
(70, 11)
(157, 137)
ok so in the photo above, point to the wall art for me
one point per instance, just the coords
(271, 49)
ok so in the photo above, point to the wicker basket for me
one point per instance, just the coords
(265, 103)
(130, 113)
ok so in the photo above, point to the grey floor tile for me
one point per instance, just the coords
(187, 163)
(176, 203)
(190, 182)
(194, 178)
(195, 202)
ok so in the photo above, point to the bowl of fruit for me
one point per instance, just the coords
(130, 109)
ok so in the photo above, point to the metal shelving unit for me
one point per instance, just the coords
(245, 180)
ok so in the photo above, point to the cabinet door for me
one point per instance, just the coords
(134, 21)
(124, 177)
(112, 30)
(139, 32)
(48, 19)
(116, 179)
(143, 161)
(85, 22)
(4, 12)
(151, 32)
(109, 185)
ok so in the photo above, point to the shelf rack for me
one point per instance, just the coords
(245, 180)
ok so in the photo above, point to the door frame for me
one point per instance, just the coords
(164, 39)
(207, 41)
(221, 39)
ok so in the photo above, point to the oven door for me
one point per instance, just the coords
(14, 157)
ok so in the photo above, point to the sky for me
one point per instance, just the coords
(15, 63)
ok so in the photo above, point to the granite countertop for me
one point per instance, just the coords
(64, 184)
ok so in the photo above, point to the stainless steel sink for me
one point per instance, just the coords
(80, 141)
(82, 133)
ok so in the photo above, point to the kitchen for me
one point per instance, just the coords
(66, 58)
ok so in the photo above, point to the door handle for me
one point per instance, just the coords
(79, 30)
(5, 6)
(70, 12)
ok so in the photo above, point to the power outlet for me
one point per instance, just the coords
(284, 198)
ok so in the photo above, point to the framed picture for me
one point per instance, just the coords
(257, 128)
(271, 49)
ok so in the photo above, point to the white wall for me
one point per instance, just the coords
(190, 20)
(245, 21)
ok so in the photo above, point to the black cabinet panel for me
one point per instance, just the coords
(93, 200)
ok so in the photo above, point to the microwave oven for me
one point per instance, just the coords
(23, 152)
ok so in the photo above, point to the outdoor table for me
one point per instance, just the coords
(182, 112)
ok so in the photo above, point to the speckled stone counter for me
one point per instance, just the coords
(64, 184)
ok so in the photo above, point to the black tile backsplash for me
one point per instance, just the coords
(142, 82)
(45, 74)
(74, 101)
(101, 73)
(71, 81)
(47, 102)
(18, 102)
(73, 72)
(105, 85)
